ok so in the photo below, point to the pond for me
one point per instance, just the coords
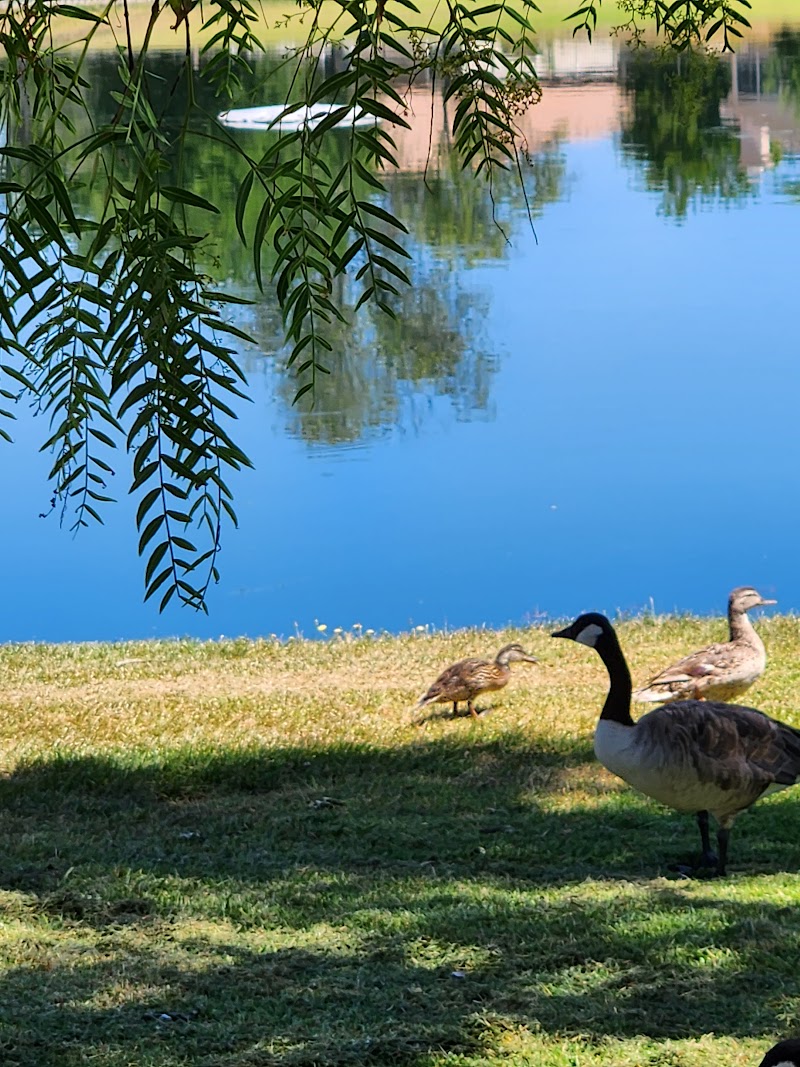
(596, 413)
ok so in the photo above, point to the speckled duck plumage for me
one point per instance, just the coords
(470, 677)
(721, 671)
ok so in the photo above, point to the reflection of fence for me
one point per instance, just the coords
(578, 61)
(766, 117)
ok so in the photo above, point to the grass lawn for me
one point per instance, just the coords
(243, 854)
(286, 22)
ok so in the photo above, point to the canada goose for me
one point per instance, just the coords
(691, 755)
(719, 672)
(784, 1054)
(469, 677)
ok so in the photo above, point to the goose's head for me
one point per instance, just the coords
(746, 597)
(513, 653)
(588, 629)
(784, 1054)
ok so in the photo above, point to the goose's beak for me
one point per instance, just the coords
(762, 602)
(563, 633)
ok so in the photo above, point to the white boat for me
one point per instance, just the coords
(287, 117)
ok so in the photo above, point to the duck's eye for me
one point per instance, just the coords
(590, 634)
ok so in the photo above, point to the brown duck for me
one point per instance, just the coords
(468, 678)
(692, 755)
(722, 671)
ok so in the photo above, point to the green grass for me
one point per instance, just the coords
(243, 854)
(286, 22)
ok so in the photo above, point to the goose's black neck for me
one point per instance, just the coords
(617, 707)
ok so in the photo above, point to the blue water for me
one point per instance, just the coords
(638, 447)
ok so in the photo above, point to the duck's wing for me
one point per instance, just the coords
(690, 673)
(453, 682)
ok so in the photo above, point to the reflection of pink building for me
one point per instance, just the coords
(574, 113)
(582, 100)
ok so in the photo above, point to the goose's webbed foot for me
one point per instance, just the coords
(706, 866)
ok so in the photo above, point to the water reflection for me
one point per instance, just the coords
(436, 345)
(382, 367)
(510, 366)
(777, 88)
(772, 72)
(669, 112)
(674, 129)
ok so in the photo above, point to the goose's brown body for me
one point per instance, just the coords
(693, 755)
(470, 677)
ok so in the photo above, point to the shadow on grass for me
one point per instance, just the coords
(573, 972)
(288, 1007)
(247, 813)
(446, 712)
(374, 906)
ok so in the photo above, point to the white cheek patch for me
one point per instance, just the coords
(590, 634)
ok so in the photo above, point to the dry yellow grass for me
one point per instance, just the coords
(287, 24)
(358, 688)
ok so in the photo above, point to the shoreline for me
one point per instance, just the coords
(358, 635)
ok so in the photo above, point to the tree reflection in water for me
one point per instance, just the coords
(388, 372)
(674, 129)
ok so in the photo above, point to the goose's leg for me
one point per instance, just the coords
(707, 857)
(722, 845)
(455, 708)
(472, 711)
